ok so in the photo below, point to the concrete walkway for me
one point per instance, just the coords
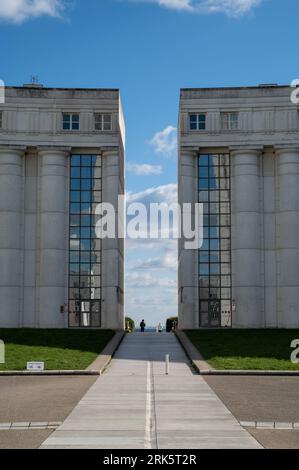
(134, 405)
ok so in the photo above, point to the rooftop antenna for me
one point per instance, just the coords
(34, 79)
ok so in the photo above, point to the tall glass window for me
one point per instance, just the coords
(85, 257)
(215, 296)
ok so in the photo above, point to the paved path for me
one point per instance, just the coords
(134, 405)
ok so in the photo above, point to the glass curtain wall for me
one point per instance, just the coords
(215, 292)
(85, 256)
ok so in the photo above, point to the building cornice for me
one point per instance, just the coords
(12, 149)
(50, 148)
(235, 149)
(279, 149)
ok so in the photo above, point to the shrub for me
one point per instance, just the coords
(169, 323)
(130, 324)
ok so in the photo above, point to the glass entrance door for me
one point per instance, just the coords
(210, 313)
(85, 313)
(214, 313)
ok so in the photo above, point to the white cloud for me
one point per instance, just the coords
(168, 261)
(151, 266)
(164, 193)
(232, 8)
(165, 141)
(142, 244)
(144, 169)
(147, 303)
(141, 280)
(17, 11)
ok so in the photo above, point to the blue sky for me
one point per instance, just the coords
(150, 49)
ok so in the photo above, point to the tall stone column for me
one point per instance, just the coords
(10, 236)
(288, 237)
(112, 308)
(53, 236)
(269, 255)
(246, 239)
(188, 259)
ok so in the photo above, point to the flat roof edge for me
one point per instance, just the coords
(59, 89)
(256, 87)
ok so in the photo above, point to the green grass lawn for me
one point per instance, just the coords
(59, 349)
(246, 349)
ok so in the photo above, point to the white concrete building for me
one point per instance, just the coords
(61, 153)
(239, 155)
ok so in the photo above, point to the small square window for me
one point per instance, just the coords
(197, 122)
(103, 122)
(71, 122)
(229, 121)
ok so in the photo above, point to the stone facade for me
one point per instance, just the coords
(264, 174)
(35, 155)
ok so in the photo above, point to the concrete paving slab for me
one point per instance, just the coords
(135, 405)
(265, 425)
(20, 425)
(39, 424)
(283, 425)
(248, 424)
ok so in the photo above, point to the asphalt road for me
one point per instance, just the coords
(40, 398)
(277, 439)
(22, 439)
(258, 398)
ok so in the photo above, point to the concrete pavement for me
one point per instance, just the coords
(134, 405)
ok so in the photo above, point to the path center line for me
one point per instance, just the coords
(148, 411)
(154, 438)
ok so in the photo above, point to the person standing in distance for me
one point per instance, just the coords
(142, 326)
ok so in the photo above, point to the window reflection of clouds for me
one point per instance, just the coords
(85, 248)
(215, 254)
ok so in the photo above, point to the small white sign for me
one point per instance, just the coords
(2, 352)
(36, 366)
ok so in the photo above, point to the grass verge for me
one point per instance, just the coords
(246, 349)
(59, 349)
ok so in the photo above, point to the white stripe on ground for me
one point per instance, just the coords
(134, 405)
(148, 418)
